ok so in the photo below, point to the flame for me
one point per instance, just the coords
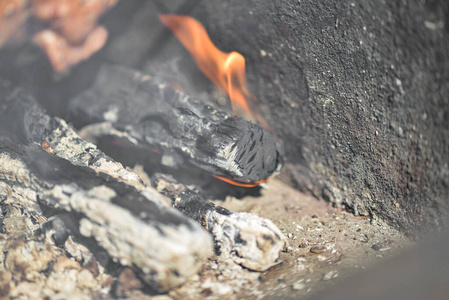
(225, 70)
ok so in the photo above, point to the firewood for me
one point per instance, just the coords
(150, 112)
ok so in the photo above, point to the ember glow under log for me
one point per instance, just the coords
(149, 112)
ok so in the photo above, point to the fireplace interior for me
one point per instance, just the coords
(129, 168)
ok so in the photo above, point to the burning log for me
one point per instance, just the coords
(135, 228)
(146, 111)
(247, 239)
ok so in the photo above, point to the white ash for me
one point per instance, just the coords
(249, 240)
(244, 238)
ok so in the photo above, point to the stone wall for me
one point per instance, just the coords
(358, 91)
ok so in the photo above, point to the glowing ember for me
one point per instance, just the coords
(228, 180)
(225, 70)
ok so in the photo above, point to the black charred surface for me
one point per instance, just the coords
(359, 93)
(21, 118)
(209, 187)
(154, 113)
(188, 201)
(62, 225)
(60, 232)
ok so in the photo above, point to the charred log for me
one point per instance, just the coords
(148, 111)
(133, 225)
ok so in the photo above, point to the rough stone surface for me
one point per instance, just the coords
(358, 91)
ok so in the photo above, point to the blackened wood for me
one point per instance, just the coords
(149, 111)
(135, 229)
(247, 239)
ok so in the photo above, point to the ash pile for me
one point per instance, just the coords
(73, 210)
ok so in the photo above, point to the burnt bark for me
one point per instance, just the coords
(358, 90)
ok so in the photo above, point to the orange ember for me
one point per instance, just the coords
(228, 180)
(225, 70)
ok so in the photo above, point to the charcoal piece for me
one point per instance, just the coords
(135, 229)
(245, 238)
(147, 110)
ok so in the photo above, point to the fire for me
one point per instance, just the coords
(225, 70)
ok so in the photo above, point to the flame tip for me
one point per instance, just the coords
(225, 70)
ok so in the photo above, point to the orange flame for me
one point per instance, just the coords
(225, 70)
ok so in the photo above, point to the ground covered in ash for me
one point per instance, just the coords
(326, 244)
